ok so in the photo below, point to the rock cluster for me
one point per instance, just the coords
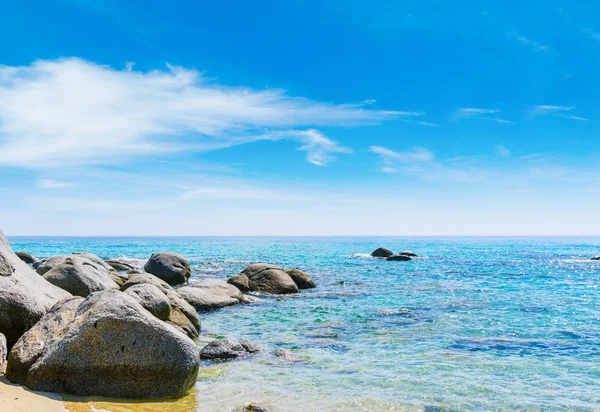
(267, 278)
(387, 254)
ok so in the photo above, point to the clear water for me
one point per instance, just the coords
(474, 324)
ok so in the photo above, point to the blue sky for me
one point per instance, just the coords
(299, 117)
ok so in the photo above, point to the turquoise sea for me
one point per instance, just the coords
(473, 324)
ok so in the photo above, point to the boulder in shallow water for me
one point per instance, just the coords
(240, 281)
(399, 257)
(284, 354)
(170, 267)
(3, 353)
(301, 279)
(26, 257)
(210, 294)
(251, 408)
(382, 252)
(80, 276)
(225, 349)
(408, 253)
(182, 316)
(104, 345)
(24, 295)
(152, 299)
(596, 258)
(263, 277)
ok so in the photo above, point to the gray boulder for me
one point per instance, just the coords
(225, 349)
(240, 281)
(24, 295)
(120, 266)
(399, 257)
(182, 316)
(408, 253)
(210, 294)
(170, 267)
(104, 345)
(152, 299)
(301, 279)
(251, 408)
(263, 277)
(3, 353)
(80, 276)
(26, 257)
(382, 252)
(48, 264)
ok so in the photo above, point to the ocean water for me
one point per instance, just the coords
(473, 324)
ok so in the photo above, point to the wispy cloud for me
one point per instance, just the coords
(594, 35)
(52, 184)
(502, 151)
(559, 111)
(76, 112)
(534, 45)
(480, 113)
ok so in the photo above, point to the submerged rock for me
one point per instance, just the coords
(251, 408)
(182, 315)
(284, 354)
(382, 252)
(228, 349)
(80, 276)
(24, 295)
(263, 277)
(170, 267)
(399, 257)
(210, 294)
(3, 353)
(26, 257)
(301, 279)
(241, 282)
(106, 345)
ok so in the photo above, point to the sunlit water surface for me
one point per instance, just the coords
(474, 324)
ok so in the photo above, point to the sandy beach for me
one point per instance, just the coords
(15, 398)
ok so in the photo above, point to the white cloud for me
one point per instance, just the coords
(76, 112)
(479, 113)
(52, 184)
(592, 34)
(502, 151)
(528, 42)
(558, 111)
(416, 155)
(494, 119)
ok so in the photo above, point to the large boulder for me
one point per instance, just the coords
(152, 299)
(301, 279)
(26, 257)
(241, 282)
(263, 277)
(182, 315)
(3, 353)
(24, 295)
(170, 267)
(382, 252)
(104, 345)
(80, 276)
(210, 294)
(48, 264)
(224, 349)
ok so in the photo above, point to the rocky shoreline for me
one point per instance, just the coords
(78, 325)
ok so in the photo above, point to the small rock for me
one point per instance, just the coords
(240, 281)
(382, 252)
(228, 349)
(399, 257)
(408, 253)
(596, 258)
(251, 408)
(301, 279)
(284, 354)
(26, 257)
(170, 267)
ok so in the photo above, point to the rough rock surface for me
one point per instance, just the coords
(26, 257)
(80, 276)
(106, 345)
(152, 299)
(118, 278)
(240, 281)
(48, 264)
(228, 349)
(399, 257)
(263, 277)
(182, 316)
(251, 408)
(382, 252)
(3, 353)
(170, 267)
(24, 295)
(120, 266)
(301, 279)
(210, 294)
(284, 354)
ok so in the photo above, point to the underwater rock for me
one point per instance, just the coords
(284, 354)
(382, 252)
(225, 349)
(170, 267)
(24, 295)
(104, 345)
(301, 279)
(251, 408)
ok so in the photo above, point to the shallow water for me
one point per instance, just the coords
(474, 324)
